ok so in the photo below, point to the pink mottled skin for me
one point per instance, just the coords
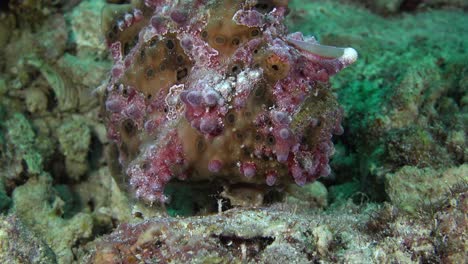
(218, 91)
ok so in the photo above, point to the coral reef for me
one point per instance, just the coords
(216, 93)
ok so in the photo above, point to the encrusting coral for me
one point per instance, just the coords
(204, 90)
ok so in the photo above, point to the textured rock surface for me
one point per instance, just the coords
(411, 188)
(41, 208)
(74, 137)
(270, 235)
(20, 245)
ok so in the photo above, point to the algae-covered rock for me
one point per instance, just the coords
(86, 32)
(323, 238)
(312, 195)
(341, 192)
(108, 201)
(266, 235)
(74, 136)
(38, 206)
(19, 245)
(413, 189)
(5, 200)
(7, 23)
(21, 140)
(36, 100)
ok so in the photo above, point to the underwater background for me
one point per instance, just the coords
(397, 191)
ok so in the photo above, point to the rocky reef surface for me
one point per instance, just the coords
(396, 190)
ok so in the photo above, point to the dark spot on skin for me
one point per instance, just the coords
(144, 165)
(163, 65)
(165, 110)
(220, 40)
(180, 59)
(182, 73)
(259, 92)
(264, 6)
(142, 54)
(135, 40)
(170, 44)
(235, 41)
(138, 215)
(247, 151)
(254, 32)
(149, 96)
(269, 103)
(129, 127)
(255, 51)
(267, 121)
(201, 146)
(111, 35)
(125, 92)
(231, 118)
(258, 137)
(275, 67)
(235, 69)
(149, 73)
(124, 148)
(153, 43)
(271, 140)
(126, 48)
(239, 135)
(204, 34)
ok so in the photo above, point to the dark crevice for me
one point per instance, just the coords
(4, 5)
(410, 5)
(253, 246)
(190, 199)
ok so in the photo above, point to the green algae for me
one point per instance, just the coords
(41, 210)
(401, 96)
(22, 136)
